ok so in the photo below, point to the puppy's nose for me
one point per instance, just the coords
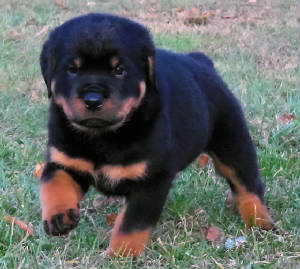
(93, 100)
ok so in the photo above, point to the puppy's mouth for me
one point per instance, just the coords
(96, 123)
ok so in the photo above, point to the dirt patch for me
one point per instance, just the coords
(257, 27)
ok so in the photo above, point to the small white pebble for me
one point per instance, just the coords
(280, 238)
(229, 244)
(241, 239)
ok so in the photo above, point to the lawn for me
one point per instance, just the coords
(255, 47)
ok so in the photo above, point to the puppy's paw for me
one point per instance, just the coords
(61, 222)
(254, 212)
(60, 198)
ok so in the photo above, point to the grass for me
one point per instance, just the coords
(257, 54)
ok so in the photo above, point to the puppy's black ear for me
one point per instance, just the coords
(47, 63)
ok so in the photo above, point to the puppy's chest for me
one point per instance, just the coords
(114, 173)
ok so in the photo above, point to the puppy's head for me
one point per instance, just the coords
(97, 68)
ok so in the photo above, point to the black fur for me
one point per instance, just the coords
(187, 110)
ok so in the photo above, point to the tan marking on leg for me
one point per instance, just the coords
(249, 205)
(253, 212)
(59, 194)
(118, 172)
(125, 245)
(78, 164)
(114, 61)
(227, 172)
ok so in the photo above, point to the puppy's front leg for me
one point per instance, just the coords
(59, 196)
(134, 224)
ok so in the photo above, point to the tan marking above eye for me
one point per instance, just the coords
(114, 61)
(78, 164)
(118, 172)
(78, 62)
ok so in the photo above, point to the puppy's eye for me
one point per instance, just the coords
(119, 71)
(72, 69)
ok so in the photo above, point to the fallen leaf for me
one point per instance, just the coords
(91, 4)
(213, 234)
(73, 262)
(15, 35)
(111, 199)
(38, 170)
(178, 9)
(202, 160)
(206, 14)
(61, 3)
(229, 15)
(34, 95)
(286, 118)
(241, 44)
(111, 218)
(196, 20)
(21, 224)
(43, 31)
(31, 21)
(189, 13)
(102, 201)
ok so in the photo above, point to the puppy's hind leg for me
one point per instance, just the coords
(235, 158)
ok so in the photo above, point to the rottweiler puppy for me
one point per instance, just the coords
(126, 117)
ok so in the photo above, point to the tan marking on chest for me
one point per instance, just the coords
(78, 164)
(118, 172)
